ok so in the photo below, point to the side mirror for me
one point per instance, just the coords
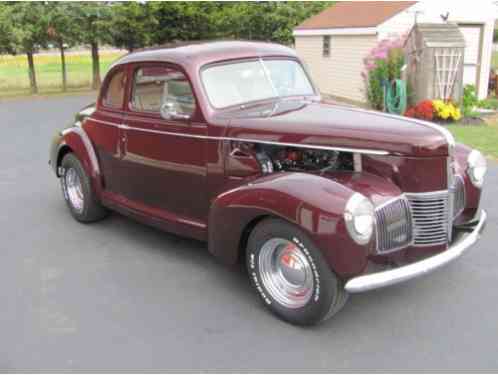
(169, 112)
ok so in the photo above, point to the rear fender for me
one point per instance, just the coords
(313, 203)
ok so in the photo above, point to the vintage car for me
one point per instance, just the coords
(232, 144)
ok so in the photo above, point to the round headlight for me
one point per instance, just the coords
(360, 218)
(477, 167)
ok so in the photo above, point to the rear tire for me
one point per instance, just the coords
(290, 274)
(78, 193)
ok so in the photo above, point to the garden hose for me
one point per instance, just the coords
(395, 96)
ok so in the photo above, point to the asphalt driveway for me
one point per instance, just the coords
(117, 295)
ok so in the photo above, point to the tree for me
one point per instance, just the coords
(179, 20)
(131, 25)
(7, 39)
(29, 32)
(267, 21)
(90, 20)
(62, 31)
(287, 15)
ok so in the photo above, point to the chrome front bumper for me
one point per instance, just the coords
(404, 273)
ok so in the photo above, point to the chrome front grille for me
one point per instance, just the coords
(394, 225)
(419, 219)
(430, 214)
(458, 192)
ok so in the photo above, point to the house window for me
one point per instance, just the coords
(326, 46)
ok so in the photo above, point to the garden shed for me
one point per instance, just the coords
(434, 58)
(334, 42)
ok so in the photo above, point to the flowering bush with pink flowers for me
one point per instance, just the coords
(383, 62)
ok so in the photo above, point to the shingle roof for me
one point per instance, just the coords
(439, 35)
(346, 14)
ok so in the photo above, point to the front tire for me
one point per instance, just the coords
(290, 274)
(78, 193)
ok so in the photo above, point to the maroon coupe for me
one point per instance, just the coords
(231, 143)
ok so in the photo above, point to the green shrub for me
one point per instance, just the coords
(469, 100)
(383, 63)
(375, 90)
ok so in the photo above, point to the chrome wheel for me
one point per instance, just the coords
(286, 273)
(74, 189)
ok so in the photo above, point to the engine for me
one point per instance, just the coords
(279, 158)
(300, 159)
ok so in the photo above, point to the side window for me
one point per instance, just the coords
(155, 86)
(326, 46)
(115, 91)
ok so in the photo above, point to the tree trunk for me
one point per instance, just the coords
(63, 64)
(32, 73)
(95, 66)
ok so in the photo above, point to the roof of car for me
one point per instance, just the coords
(201, 53)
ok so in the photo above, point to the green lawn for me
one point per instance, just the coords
(485, 137)
(14, 79)
(482, 137)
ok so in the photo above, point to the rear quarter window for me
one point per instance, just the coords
(115, 91)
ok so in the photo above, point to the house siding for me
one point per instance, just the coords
(482, 15)
(399, 24)
(339, 74)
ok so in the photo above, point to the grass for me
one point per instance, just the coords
(489, 103)
(482, 137)
(14, 79)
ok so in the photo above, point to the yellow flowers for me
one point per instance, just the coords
(446, 110)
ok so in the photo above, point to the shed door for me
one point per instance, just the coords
(472, 60)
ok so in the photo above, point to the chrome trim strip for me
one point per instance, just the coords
(105, 122)
(208, 137)
(427, 193)
(401, 274)
(443, 131)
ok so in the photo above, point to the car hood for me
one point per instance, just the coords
(329, 125)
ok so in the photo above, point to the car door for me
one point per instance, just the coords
(104, 127)
(164, 158)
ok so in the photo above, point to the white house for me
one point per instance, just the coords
(334, 42)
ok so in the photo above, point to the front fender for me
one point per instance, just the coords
(313, 203)
(472, 193)
(74, 139)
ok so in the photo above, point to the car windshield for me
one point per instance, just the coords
(247, 81)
